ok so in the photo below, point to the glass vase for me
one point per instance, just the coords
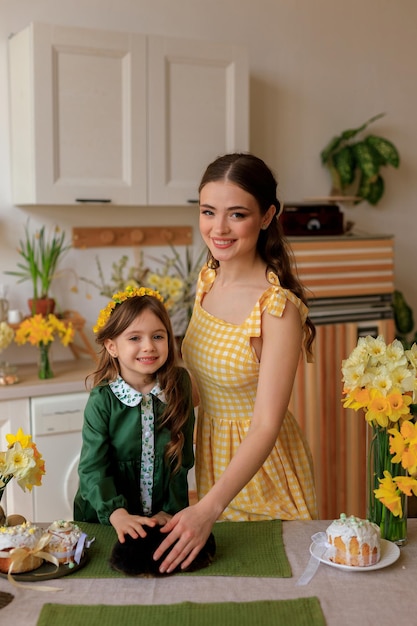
(393, 528)
(44, 366)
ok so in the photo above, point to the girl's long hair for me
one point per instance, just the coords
(172, 378)
(252, 175)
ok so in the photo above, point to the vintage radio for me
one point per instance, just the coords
(306, 220)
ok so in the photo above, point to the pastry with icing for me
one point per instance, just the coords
(354, 541)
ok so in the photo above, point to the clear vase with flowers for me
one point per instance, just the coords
(41, 331)
(380, 379)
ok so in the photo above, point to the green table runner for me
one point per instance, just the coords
(299, 612)
(242, 549)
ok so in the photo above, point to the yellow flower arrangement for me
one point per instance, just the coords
(40, 331)
(120, 297)
(21, 461)
(381, 380)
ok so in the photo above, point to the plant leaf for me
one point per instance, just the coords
(365, 160)
(337, 141)
(376, 191)
(344, 162)
(386, 150)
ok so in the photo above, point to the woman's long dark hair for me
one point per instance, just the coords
(171, 377)
(252, 175)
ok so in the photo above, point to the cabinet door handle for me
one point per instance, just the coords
(192, 201)
(98, 200)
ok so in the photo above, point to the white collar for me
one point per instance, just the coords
(129, 396)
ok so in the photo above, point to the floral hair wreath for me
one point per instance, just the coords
(120, 297)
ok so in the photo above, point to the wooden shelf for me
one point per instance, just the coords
(130, 236)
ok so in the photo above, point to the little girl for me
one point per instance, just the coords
(138, 422)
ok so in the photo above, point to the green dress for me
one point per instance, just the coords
(111, 455)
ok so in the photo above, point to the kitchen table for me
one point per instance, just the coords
(384, 596)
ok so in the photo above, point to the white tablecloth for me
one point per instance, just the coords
(385, 597)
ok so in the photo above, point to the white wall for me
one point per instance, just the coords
(316, 69)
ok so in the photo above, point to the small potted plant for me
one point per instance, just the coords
(356, 165)
(41, 255)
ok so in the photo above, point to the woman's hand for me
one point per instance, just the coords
(189, 530)
(126, 524)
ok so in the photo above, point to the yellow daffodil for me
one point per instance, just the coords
(406, 484)
(389, 494)
(397, 445)
(400, 405)
(42, 330)
(357, 399)
(22, 461)
(403, 445)
(379, 409)
(19, 437)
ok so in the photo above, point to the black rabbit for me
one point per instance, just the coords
(134, 557)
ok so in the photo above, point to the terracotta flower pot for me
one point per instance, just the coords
(42, 306)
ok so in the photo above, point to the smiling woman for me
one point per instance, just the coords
(242, 346)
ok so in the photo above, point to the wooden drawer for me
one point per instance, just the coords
(345, 267)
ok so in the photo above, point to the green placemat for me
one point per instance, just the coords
(300, 612)
(242, 549)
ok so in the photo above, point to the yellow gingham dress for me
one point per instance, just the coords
(220, 357)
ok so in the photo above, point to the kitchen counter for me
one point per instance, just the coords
(69, 378)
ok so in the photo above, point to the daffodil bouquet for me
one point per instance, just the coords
(381, 380)
(40, 331)
(21, 461)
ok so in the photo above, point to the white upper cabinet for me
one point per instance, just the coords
(116, 117)
(78, 116)
(198, 109)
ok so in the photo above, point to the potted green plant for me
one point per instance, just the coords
(404, 320)
(41, 254)
(355, 162)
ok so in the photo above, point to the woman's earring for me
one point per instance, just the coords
(264, 226)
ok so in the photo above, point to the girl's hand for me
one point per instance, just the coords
(126, 524)
(161, 518)
(189, 530)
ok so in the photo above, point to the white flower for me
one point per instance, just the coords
(373, 364)
(6, 335)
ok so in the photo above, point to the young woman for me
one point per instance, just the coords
(243, 346)
(139, 419)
